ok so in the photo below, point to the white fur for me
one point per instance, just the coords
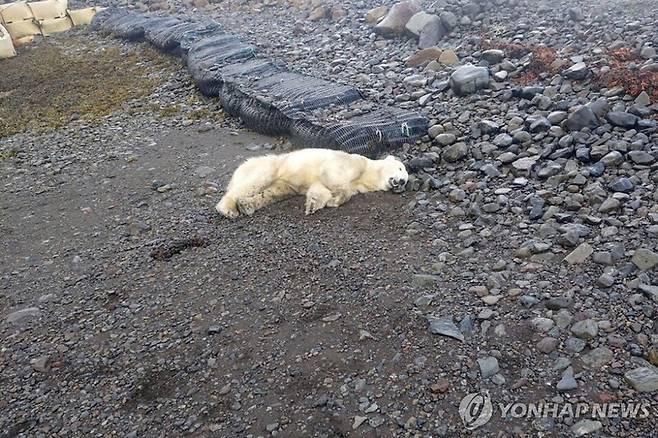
(328, 178)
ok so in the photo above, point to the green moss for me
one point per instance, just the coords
(45, 87)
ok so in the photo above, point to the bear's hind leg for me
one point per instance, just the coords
(273, 193)
(227, 207)
(317, 197)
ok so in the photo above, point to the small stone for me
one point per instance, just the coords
(488, 366)
(580, 254)
(609, 205)
(441, 386)
(645, 259)
(547, 345)
(358, 421)
(468, 79)
(598, 357)
(19, 315)
(41, 364)
(448, 57)
(425, 281)
(567, 382)
(585, 427)
(585, 329)
(443, 325)
(642, 379)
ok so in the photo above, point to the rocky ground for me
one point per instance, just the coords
(522, 261)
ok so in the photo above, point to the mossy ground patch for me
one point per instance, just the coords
(67, 77)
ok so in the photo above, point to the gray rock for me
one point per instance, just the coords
(641, 157)
(456, 152)
(419, 20)
(432, 33)
(29, 312)
(525, 163)
(583, 117)
(395, 21)
(468, 79)
(446, 139)
(642, 379)
(609, 205)
(585, 329)
(580, 254)
(577, 71)
(598, 357)
(488, 366)
(650, 291)
(425, 281)
(503, 140)
(567, 382)
(449, 20)
(443, 325)
(557, 117)
(623, 185)
(645, 259)
(585, 427)
(574, 345)
(547, 344)
(621, 119)
(493, 56)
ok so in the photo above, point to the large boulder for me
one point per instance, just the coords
(468, 79)
(416, 24)
(432, 33)
(397, 18)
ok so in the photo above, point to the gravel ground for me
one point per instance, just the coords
(529, 229)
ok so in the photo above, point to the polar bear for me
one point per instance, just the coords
(327, 177)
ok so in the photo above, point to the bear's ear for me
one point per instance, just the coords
(390, 158)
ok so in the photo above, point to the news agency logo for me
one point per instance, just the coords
(476, 410)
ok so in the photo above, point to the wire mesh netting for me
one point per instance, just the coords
(267, 96)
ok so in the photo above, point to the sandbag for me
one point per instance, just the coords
(55, 25)
(48, 9)
(6, 46)
(14, 12)
(21, 29)
(83, 17)
(23, 41)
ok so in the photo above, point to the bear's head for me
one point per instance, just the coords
(393, 173)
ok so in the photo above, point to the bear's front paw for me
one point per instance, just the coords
(226, 212)
(312, 205)
(246, 208)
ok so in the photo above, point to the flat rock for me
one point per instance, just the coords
(642, 379)
(488, 366)
(598, 358)
(585, 427)
(580, 254)
(443, 325)
(645, 259)
(423, 56)
(19, 315)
